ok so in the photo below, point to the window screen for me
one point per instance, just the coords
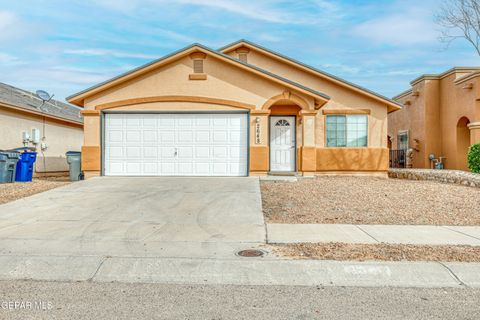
(347, 130)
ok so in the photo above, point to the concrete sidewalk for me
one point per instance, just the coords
(241, 271)
(371, 234)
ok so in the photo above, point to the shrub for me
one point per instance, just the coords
(474, 158)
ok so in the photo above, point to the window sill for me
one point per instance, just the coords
(331, 147)
(197, 76)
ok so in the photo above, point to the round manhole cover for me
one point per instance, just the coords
(250, 253)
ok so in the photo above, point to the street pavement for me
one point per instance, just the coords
(90, 300)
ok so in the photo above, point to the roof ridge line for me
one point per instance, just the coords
(327, 74)
(213, 51)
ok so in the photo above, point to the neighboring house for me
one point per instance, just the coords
(56, 125)
(441, 116)
(240, 110)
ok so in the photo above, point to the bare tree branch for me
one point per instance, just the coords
(460, 19)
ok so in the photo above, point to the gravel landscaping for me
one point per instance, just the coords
(382, 252)
(368, 200)
(13, 191)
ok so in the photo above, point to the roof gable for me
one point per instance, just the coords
(392, 105)
(78, 98)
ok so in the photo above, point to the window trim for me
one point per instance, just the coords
(346, 115)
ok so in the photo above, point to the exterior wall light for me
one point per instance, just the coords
(257, 119)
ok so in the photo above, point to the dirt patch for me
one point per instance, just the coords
(13, 191)
(367, 200)
(382, 252)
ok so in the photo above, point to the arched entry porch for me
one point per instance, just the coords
(463, 143)
(291, 134)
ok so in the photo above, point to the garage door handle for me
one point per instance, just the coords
(176, 152)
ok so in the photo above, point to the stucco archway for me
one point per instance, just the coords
(195, 99)
(286, 96)
(463, 143)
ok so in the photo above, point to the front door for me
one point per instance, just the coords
(282, 143)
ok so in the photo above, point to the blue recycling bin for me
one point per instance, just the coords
(25, 167)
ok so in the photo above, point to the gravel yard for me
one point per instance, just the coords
(13, 191)
(367, 200)
(383, 252)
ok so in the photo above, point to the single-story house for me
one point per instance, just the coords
(441, 117)
(53, 127)
(236, 111)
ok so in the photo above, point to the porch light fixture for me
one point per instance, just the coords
(257, 119)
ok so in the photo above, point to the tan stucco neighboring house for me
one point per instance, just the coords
(441, 116)
(240, 110)
(56, 126)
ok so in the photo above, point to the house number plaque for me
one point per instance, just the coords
(257, 133)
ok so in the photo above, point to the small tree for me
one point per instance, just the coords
(460, 19)
(474, 158)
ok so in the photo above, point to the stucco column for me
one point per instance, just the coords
(91, 156)
(259, 149)
(474, 132)
(308, 151)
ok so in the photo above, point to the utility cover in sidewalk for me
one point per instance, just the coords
(250, 253)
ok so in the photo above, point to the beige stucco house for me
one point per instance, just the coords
(441, 116)
(240, 110)
(53, 128)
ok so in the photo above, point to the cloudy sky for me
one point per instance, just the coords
(66, 46)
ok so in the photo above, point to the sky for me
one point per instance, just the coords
(66, 46)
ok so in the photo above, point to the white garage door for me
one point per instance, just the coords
(176, 144)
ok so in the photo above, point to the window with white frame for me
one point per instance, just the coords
(402, 140)
(347, 130)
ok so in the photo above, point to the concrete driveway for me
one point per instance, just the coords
(144, 216)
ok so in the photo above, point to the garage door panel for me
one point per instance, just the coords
(202, 136)
(134, 152)
(202, 121)
(115, 136)
(185, 136)
(167, 152)
(202, 152)
(150, 168)
(167, 136)
(220, 152)
(150, 136)
(168, 168)
(115, 121)
(149, 122)
(133, 136)
(150, 152)
(185, 152)
(134, 168)
(133, 120)
(219, 121)
(220, 136)
(115, 168)
(116, 153)
(176, 144)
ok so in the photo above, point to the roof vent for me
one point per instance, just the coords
(198, 66)
(242, 57)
